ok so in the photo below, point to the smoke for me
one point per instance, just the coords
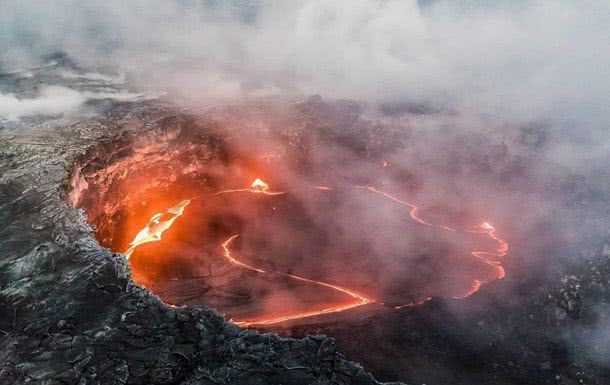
(497, 110)
(51, 100)
(460, 170)
(520, 60)
(59, 101)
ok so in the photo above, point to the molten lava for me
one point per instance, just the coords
(258, 186)
(157, 225)
(161, 222)
(485, 228)
(227, 254)
(360, 299)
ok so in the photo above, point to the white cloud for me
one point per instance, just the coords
(513, 61)
(522, 60)
(50, 100)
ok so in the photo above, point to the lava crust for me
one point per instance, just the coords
(178, 200)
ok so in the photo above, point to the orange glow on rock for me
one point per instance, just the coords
(487, 257)
(163, 221)
(153, 231)
(357, 298)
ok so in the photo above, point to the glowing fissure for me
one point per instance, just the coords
(360, 299)
(153, 231)
(227, 254)
(413, 208)
(484, 256)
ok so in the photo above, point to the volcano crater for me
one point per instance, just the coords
(305, 240)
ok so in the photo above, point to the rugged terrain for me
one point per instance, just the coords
(71, 313)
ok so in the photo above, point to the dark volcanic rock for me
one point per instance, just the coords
(553, 332)
(70, 313)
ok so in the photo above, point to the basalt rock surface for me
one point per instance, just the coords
(69, 310)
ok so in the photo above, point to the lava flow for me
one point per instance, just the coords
(258, 187)
(360, 299)
(157, 225)
(484, 228)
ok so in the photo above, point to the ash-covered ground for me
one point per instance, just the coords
(73, 315)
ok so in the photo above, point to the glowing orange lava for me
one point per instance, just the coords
(412, 212)
(258, 186)
(485, 228)
(227, 254)
(157, 225)
(360, 299)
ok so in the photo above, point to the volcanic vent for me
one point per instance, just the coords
(277, 220)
